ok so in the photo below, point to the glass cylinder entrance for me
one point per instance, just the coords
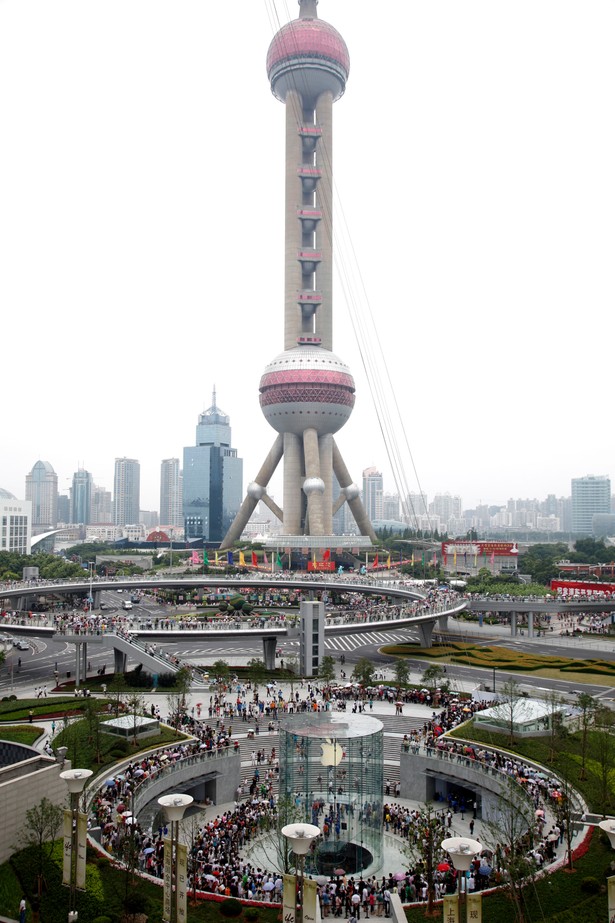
(331, 775)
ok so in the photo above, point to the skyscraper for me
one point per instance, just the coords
(590, 495)
(42, 490)
(81, 498)
(372, 493)
(171, 510)
(307, 392)
(15, 530)
(212, 478)
(126, 492)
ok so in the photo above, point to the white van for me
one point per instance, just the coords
(127, 604)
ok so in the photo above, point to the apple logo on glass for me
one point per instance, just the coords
(332, 752)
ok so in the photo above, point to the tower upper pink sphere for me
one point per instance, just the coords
(313, 48)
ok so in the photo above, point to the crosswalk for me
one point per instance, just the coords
(341, 644)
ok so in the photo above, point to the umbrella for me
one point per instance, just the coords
(268, 886)
(130, 820)
(443, 867)
(484, 870)
(210, 877)
(540, 813)
(139, 772)
(122, 807)
(339, 871)
(110, 783)
(148, 851)
(126, 813)
(399, 876)
(108, 826)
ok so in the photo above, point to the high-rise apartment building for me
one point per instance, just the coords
(590, 495)
(15, 528)
(102, 506)
(372, 493)
(171, 508)
(446, 507)
(126, 491)
(81, 498)
(42, 491)
(212, 478)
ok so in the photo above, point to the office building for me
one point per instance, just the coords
(126, 492)
(15, 523)
(212, 478)
(81, 498)
(102, 506)
(171, 490)
(42, 491)
(591, 495)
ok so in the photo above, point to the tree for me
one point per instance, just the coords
(510, 705)
(587, 705)
(221, 671)
(603, 747)
(433, 677)
(430, 831)
(364, 671)
(176, 699)
(42, 825)
(326, 670)
(508, 834)
(402, 671)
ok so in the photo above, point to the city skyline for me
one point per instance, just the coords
(477, 204)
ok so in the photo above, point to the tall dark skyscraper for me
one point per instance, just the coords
(81, 498)
(307, 392)
(212, 478)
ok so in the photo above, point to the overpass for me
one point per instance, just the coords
(134, 645)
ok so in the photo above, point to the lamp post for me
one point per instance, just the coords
(300, 836)
(461, 850)
(175, 858)
(608, 825)
(75, 833)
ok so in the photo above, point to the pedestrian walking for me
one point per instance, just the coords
(22, 910)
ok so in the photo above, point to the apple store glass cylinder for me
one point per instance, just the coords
(331, 775)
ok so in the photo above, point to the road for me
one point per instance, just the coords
(38, 665)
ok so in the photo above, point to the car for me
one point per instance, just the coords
(22, 645)
(127, 604)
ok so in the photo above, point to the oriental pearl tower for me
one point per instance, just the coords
(307, 392)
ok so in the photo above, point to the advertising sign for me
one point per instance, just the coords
(168, 880)
(289, 899)
(182, 882)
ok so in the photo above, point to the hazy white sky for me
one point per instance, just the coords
(141, 233)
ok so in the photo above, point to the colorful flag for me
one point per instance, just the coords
(412, 557)
(375, 564)
(279, 561)
(434, 560)
(423, 559)
(229, 557)
(327, 555)
(217, 562)
(389, 562)
(265, 559)
(254, 559)
(492, 558)
(205, 559)
(242, 559)
(455, 558)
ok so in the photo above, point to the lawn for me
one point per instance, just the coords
(500, 658)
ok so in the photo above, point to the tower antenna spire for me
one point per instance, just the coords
(307, 9)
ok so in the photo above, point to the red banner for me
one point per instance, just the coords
(581, 587)
(321, 565)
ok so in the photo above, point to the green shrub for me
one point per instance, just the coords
(251, 915)
(102, 920)
(590, 885)
(230, 907)
(135, 903)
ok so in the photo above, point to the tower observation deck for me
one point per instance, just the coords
(307, 392)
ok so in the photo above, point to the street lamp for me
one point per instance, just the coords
(461, 850)
(300, 837)
(75, 834)
(608, 825)
(175, 858)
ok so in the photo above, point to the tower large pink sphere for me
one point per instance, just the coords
(307, 387)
